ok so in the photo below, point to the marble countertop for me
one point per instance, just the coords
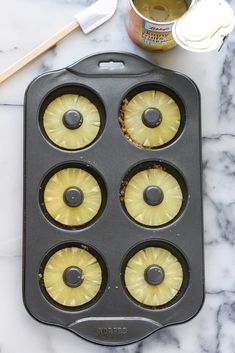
(23, 24)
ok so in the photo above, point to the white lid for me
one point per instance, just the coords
(204, 26)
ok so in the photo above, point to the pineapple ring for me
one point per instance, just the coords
(71, 121)
(72, 197)
(154, 289)
(161, 10)
(67, 294)
(162, 123)
(163, 200)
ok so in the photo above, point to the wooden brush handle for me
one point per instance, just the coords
(38, 51)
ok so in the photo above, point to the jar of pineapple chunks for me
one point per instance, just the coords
(150, 22)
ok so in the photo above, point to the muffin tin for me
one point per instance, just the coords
(97, 259)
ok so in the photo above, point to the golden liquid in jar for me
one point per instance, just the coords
(161, 10)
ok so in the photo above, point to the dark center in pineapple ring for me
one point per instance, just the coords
(154, 275)
(152, 117)
(73, 276)
(72, 119)
(73, 196)
(153, 195)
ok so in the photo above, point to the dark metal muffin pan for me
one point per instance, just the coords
(113, 318)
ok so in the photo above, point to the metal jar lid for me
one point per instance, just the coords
(204, 26)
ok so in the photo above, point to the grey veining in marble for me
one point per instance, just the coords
(24, 24)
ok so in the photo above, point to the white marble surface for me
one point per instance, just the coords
(23, 24)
